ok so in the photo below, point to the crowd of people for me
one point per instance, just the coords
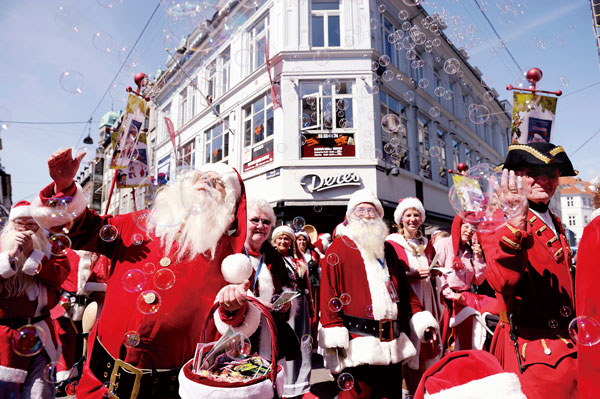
(113, 306)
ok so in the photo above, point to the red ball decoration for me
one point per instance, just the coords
(462, 167)
(139, 77)
(534, 75)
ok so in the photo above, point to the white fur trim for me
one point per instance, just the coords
(84, 269)
(6, 269)
(94, 287)
(62, 375)
(407, 203)
(46, 216)
(421, 321)
(364, 195)
(283, 229)
(192, 390)
(497, 386)
(595, 214)
(9, 374)
(233, 186)
(369, 350)
(31, 264)
(377, 277)
(334, 337)
(17, 212)
(248, 326)
(462, 315)
(236, 268)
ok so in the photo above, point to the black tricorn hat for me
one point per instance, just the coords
(535, 155)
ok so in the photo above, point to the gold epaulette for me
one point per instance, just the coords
(510, 242)
(514, 230)
(541, 230)
(551, 241)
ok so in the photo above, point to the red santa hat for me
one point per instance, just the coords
(364, 196)
(284, 229)
(20, 210)
(408, 203)
(471, 374)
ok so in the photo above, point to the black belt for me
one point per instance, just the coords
(73, 298)
(17, 322)
(129, 382)
(385, 329)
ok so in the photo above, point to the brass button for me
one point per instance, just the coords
(547, 351)
(164, 262)
(150, 297)
(105, 374)
(108, 365)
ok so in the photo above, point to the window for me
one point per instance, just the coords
(468, 156)
(258, 120)
(183, 115)
(571, 220)
(163, 170)
(389, 39)
(417, 66)
(325, 23)
(394, 131)
(441, 144)
(217, 143)
(423, 133)
(193, 94)
(327, 106)
(211, 80)
(225, 70)
(438, 83)
(162, 131)
(186, 155)
(455, 153)
(257, 36)
(569, 201)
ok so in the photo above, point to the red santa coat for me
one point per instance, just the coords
(588, 304)
(364, 279)
(168, 337)
(36, 301)
(530, 271)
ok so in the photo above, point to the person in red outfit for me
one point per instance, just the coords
(529, 267)
(587, 298)
(164, 278)
(367, 311)
(30, 278)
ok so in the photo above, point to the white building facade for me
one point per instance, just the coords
(577, 204)
(364, 102)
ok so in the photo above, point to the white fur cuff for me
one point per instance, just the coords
(47, 216)
(6, 269)
(248, 326)
(9, 374)
(32, 263)
(334, 337)
(505, 386)
(421, 321)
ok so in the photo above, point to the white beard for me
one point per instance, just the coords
(369, 235)
(19, 283)
(200, 218)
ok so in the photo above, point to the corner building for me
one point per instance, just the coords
(360, 106)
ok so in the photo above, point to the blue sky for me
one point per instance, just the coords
(37, 47)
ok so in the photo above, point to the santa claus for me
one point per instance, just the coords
(366, 306)
(164, 278)
(30, 278)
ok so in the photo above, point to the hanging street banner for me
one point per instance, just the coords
(124, 141)
(136, 174)
(533, 118)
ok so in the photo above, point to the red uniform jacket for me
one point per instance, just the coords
(530, 271)
(588, 304)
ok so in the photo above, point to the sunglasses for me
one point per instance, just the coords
(256, 221)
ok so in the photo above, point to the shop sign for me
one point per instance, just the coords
(314, 182)
(258, 156)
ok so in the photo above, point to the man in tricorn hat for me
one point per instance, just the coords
(529, 267)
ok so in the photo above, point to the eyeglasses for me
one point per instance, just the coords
(256, 221)
(28, 226)
(365, 212)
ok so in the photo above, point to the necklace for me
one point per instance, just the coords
(416, 251)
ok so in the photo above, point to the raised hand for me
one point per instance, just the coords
(24, 242)
(63, 168)
(510, 192)
(232, 298)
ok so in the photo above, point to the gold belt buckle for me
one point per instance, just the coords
(114, 376)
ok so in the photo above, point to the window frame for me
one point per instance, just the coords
(326, 14)
(209, 140)
(423, 136)
(401, 136)
(267, 110)
(256, 45)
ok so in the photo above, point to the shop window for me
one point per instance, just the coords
(325, 23)
(216, 141)
(394, 131)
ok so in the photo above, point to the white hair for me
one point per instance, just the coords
(19, 283)
(368, 234)
(197, 219)
(256, 204)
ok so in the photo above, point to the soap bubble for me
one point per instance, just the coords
(333, 259)
(28, 340)
(479, 114)
(434, 112)
(72, 81)
(345, 381)
(298, 223)
(346, 299)
(335, 304)
(585, 330)
(59, 244)
(68, 18)
(49, 374)
(451, 66)
(164, 279)
(238, 347)
(131, 339)
(148, 302)
(435, 151)
(133, 280)
(108, 233)
(103, 42)
(391, 123)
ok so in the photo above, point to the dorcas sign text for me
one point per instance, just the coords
(313, 182)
